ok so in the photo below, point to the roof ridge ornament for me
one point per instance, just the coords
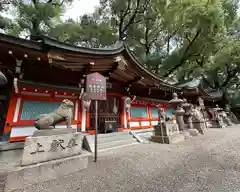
(55, 56)
(122, 64)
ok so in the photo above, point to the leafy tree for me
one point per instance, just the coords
(69, 31)
(202, 23)
(174, 39)
(4, 22)
(36, 17)
(124, 14)
(97, 31)
(4, 3)
(90, 31)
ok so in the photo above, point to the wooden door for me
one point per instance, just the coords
(108, 110)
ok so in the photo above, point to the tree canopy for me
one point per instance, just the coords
(177, 40)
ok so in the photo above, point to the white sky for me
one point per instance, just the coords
(77, 8)
(80, 7)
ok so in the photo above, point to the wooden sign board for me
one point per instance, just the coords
(96, 87)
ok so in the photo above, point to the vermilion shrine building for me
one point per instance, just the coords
(42, 73)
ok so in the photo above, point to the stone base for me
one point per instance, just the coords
(227, 121)
(214, 124)
(42, 172)
(168, 139)
(186, 134)
(167, 130)
(51, 132)
(200, 126)
(45, 148)
(193, 132)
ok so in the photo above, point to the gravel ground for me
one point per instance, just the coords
(208, 163)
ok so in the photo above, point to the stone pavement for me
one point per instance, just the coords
(207, 163)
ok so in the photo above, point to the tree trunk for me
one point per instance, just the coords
(184, 57)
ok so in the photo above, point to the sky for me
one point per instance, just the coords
(80, 7)
(77, 8)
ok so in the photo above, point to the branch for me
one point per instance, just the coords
(133, 17)
(199, 53)
(209, 84)
(186, 36)
(230, 74)
(127, 11)
(122, 17)
(184, 55)
(55, 4)
(200, 62)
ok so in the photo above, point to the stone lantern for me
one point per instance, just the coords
(188, 107)
(217, 110)
(188, 113)
(179, 112)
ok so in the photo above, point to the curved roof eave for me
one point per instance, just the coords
(21, 42)
(117, 48)
(190, 84)
(138, 63)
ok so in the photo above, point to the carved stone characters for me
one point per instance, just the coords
(63, 113)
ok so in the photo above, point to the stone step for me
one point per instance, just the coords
(142, 136)
(120, 146)
(112, 140)
(5, 146)
(142, 131)
(116, 143)
(113, 134)
(146, 134)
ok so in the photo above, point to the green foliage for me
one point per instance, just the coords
(69, 32)
(89, 31)
(36, 17)
(96, 32)
(4, 4)
(174, 39)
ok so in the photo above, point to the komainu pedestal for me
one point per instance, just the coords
(47, 155)
(51, 145)
(200, 126)
(168, 133)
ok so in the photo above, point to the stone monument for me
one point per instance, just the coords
(50, 152)
(49, 143)
(165, 132)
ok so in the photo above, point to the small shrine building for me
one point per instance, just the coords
(40, 74)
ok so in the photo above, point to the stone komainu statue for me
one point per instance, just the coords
(196, 114)
(63, 113)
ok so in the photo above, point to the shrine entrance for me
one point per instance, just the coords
(109, 114)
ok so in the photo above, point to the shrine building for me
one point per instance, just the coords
(40, 74)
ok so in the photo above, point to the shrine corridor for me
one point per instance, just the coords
(208, 163)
